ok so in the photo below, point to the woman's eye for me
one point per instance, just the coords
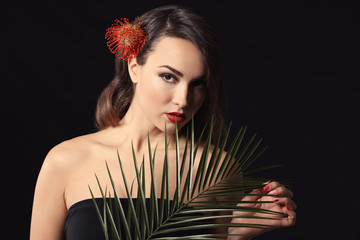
(200, 83)
(168, 77)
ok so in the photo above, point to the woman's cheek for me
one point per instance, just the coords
(161, 85)
(199, 98)
(159, 91)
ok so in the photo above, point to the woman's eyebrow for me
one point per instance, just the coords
(177, 72)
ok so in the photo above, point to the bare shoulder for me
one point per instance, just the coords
(64, 163)
(71, 152)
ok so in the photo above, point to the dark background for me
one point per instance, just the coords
(290, 72)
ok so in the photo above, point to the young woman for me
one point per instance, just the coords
(175, 76)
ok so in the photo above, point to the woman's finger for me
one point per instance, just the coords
(275, 188)
(290, 219)
(281, 191)
(271, 185)
(286, 202)
(253, 195)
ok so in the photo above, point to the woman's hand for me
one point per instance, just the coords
(280, 201)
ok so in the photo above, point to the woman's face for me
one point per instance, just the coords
(171, 85)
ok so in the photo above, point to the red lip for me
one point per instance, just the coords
(175, 116)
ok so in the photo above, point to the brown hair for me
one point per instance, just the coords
(174, 21)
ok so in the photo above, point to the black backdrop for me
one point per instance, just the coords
(290, 73)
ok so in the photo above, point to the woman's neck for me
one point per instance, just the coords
(136, 129)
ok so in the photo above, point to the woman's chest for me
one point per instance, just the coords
(102, 174)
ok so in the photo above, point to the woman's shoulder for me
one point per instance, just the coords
(70, 152)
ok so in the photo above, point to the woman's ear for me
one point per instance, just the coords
(133, 68)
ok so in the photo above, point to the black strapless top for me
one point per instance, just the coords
(82, 222)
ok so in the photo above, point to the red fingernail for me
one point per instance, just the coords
(287, 208)
(266, 187)
(276, 199)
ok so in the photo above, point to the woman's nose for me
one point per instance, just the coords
(181, 97)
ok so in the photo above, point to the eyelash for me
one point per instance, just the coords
(165, 75)
(198, 83)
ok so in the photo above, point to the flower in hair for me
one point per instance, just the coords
(126, 39)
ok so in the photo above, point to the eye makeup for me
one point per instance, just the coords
(176, 74)
(168, 77)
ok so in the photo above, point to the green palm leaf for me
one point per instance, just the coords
(192, 207)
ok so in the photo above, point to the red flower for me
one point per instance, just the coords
(126, 39)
